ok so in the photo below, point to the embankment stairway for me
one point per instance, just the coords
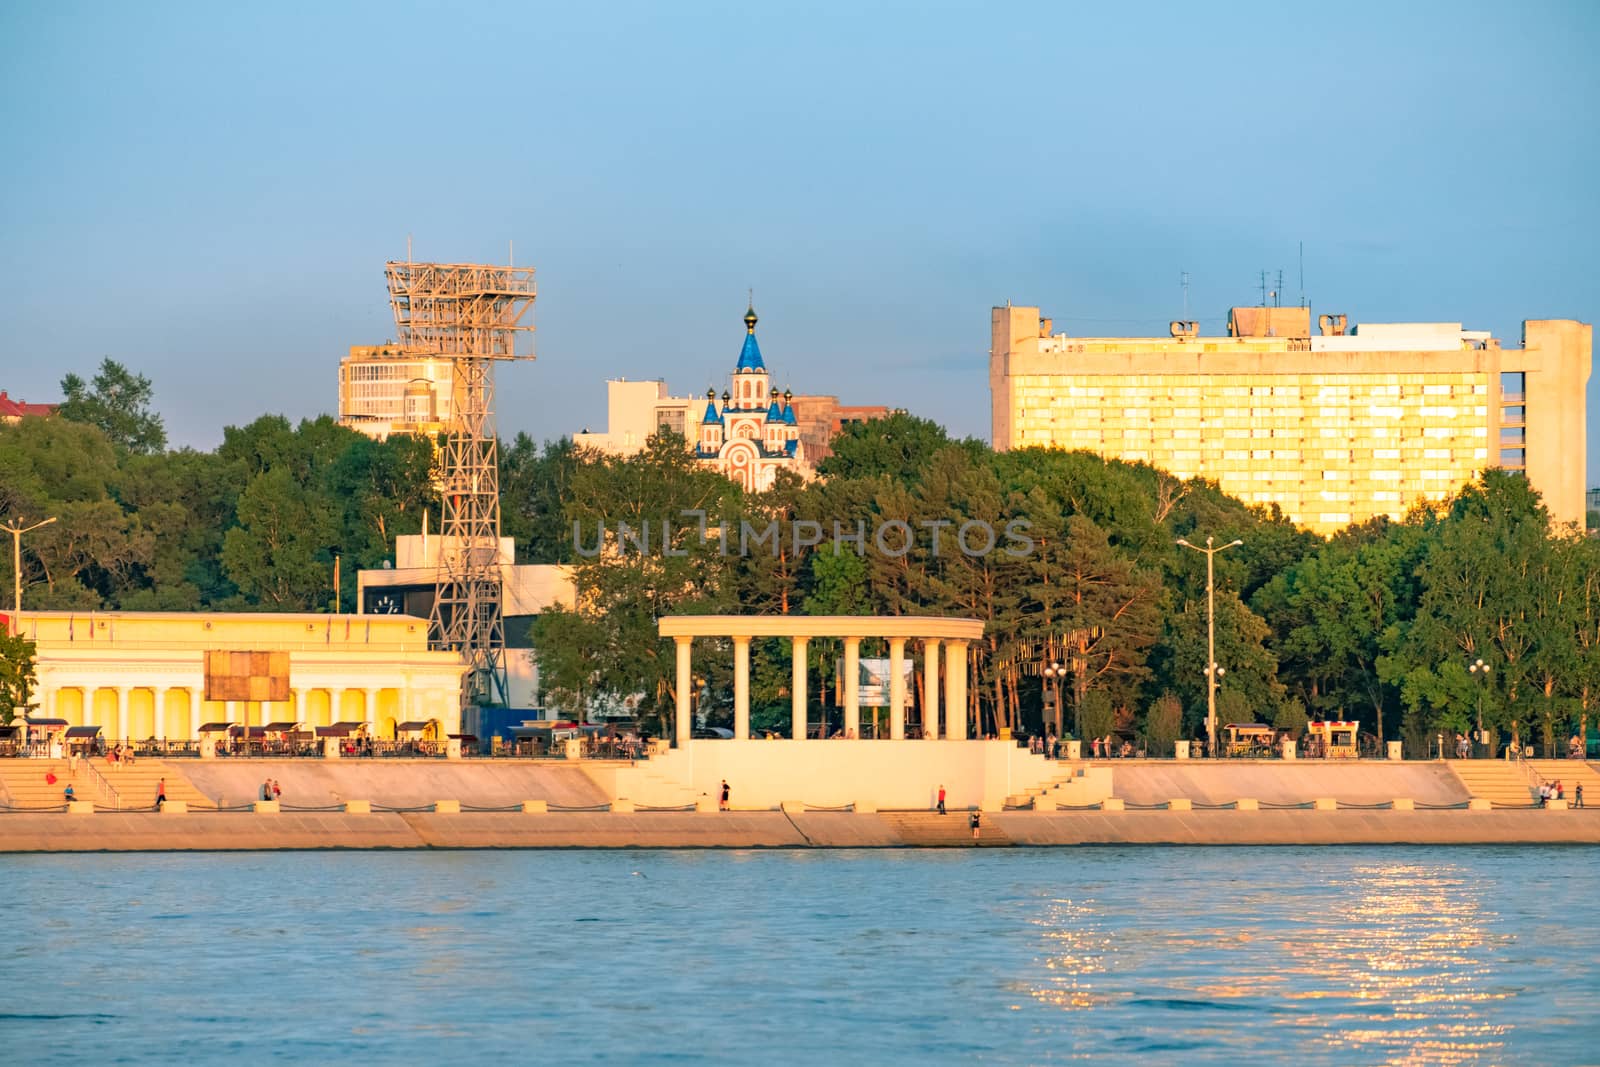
(1500, 782)
(1570, 773)
(111, 787)
(929, 829)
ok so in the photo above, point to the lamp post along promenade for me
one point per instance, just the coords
(1480, 669)
(16, 530)
(1212, 670)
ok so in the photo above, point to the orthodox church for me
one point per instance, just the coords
(755, 432)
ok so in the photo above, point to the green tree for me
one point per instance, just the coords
(18, 676)
(641, 553)
(118, 402)
(279, 553)
(897, 447)
(1163, 724)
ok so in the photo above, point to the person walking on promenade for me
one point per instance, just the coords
(722, 799)
(975, 820)
(277, 790)
(941, 798)
(1577, 795)
(161, 793)
(266, 789)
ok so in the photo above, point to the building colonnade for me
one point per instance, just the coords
(944, 642)
(175, 711)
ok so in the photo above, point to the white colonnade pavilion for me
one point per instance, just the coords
(942, 640)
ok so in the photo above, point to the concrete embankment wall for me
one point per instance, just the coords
(1279, 782)
(396, 783)
(290, 830)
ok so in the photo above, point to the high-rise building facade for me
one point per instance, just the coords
(636, 411)
(1335, 428)
(384, 389)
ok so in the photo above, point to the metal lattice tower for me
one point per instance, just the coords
(470, 314)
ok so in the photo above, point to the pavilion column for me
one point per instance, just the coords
(930, 689)
(300, 706)
(741, 689)
(955, 682)
(852, 687)
(122, 713)
(897, 688)
(194, 696)
(797, 691)
(369, 705)
(685, 723)
(160, 692)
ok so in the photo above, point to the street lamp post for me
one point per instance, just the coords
(1480, 669)
(16, 530)
(1212, 672)
(1053, 672)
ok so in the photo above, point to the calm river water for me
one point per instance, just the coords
(1331, 955)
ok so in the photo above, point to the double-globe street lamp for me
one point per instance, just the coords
(1212, 671)
(1053, 672)
(1480, 669)
(16, 530)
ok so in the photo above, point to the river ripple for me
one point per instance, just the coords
(1164, 955)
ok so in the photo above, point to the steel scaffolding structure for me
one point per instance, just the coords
(470, 314)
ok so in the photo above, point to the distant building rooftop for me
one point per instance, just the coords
(11, 410)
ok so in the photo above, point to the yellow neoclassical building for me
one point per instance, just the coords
(1335, 428)
(139, 675)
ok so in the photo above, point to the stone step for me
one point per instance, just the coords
(932, 830)
(26, 783)
(1494, 780)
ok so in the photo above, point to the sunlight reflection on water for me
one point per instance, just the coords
(1335, 955)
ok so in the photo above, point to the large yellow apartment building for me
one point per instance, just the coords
(1335, 428)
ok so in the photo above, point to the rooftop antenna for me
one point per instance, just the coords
(1263, 288)
(1302, 274)
(1277, 294)
(1183, 279)
(408, 248)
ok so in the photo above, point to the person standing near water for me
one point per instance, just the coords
(941, 798)
(975, 820)
(722, 800)
(161, 793)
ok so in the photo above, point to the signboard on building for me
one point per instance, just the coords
(252, 676)
(874, 682)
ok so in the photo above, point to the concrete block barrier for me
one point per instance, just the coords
(1325, 804)
(265, 807)
(1478, 804)
(1180, 804)
(80, 807)
(175, 807)
(622, 806)
(1247, 804)
(358, 807)
(1112, 804)
(1556, 805)
(1403, 804)
(705, 804)
(792, 807)
(447, 807)
(1044, 804)
(866, 807)
(535, 807)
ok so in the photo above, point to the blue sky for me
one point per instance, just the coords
(207, 193)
